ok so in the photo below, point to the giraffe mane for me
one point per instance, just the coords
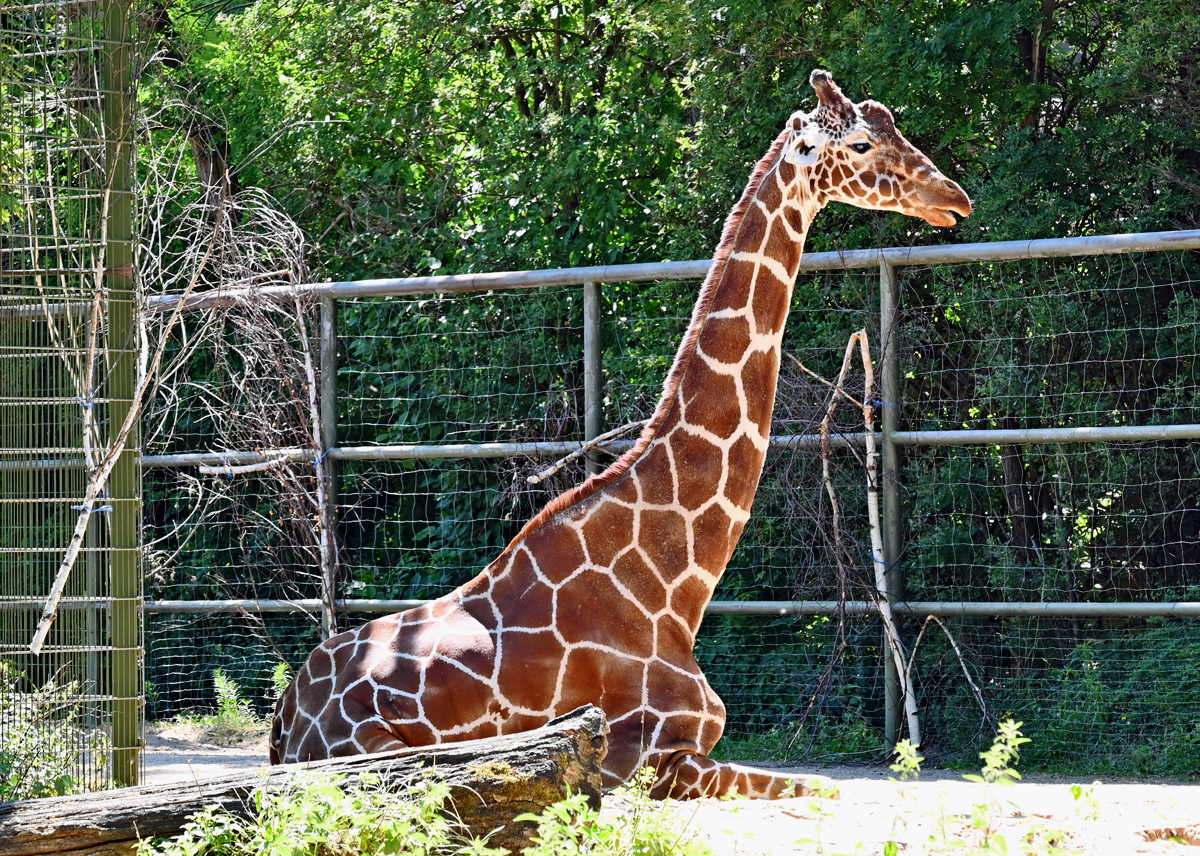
(683, 357)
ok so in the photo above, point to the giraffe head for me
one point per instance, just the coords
(853, 153)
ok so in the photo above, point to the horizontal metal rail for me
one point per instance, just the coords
(741, 607)
(429, 452)
(1031, 436)
(851, 259)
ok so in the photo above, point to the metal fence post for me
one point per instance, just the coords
(593, 406)
(889, 317)
(124, 483)
(329, 440)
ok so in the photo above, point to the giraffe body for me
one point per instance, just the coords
(599, 598)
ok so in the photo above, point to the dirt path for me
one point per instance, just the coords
(178, 753)
(871, 811)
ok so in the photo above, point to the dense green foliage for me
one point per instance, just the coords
(410, 138)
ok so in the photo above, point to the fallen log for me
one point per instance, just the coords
(491, 782)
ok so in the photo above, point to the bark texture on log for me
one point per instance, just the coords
(492, 781)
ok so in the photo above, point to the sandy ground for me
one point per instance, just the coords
(921, 817)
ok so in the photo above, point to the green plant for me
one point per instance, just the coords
(281, 679)
(315, 815)
(999, 758)
(43, 743)
(1087, 807)
(234, 719)
(645, 827)
(908, 763)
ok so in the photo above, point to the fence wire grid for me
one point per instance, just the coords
(1037, 343)
(70, 716)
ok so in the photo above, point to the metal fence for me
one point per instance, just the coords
(70, 702)
(1039, 486)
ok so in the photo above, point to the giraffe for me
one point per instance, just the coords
(599, 597)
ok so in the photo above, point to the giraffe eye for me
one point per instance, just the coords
(861, 148)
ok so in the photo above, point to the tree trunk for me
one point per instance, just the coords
(492, 781)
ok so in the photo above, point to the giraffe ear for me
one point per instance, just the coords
(802, 150)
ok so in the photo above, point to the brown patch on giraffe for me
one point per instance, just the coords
(399, 673)
(856, 189)
(670, 420)
(608, 531)
(688, 601)
(795, 219)
(523, 599)
(374, 736)
(469, 648)
(781, 246)
(414, 639)
(590, 608)
(311, 747)
(733, 290)
(787, 172)
(681, 729)
(770, 195)
(710, 732)
(685, 777)
(612, 683)
(885, 187)
(770, 296)
(452, 697)
(417, 733)
(663, 537)
(558, 549)
(695, 461)
(528, 665)
(711, 539)
(625, 490)
(758, 382)
(632, 572)
(391, 704)
(741, 478)
(711, 400)
(753, 228)
(725, 339)
(675, 640)
(654, 476)
(868, 179)
(873, 199)
(320, 663)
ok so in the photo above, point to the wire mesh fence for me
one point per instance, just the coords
(1058, 343)
(70, 715)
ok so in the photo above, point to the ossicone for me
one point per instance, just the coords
(832, 102)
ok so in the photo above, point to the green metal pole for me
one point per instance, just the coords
(124, 485)
(889, 316)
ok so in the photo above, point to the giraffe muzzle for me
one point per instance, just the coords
(940, 200)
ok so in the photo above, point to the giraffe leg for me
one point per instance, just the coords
(688, 775)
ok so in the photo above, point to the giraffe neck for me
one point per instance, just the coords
(708, 438)
(662, 522)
